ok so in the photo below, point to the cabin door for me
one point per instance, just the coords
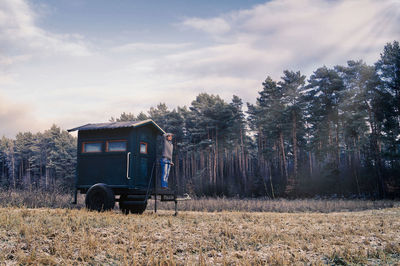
(144, 158)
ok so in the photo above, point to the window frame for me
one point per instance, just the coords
(91, 142)
(140, 145)
(117, 140)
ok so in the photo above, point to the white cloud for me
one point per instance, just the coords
(213, 25)
(23, 44)
(17, 117)
(301, 34)
(19, 34)
(149, 47)
(235, 60)
(278, 35)
(10, 60)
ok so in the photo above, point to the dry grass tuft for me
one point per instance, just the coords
(72, 236)
(36, 199)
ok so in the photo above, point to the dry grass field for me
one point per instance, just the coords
(76, 236)
(40, 199)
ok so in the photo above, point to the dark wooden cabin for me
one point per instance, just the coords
(118, 158)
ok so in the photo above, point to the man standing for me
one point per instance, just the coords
(166, 160)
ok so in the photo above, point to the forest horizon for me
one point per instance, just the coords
(336, 132)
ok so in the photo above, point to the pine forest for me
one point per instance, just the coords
(334, 133)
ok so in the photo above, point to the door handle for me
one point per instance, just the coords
(128, 160)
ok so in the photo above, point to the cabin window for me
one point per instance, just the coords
(143, 147)
(116, 145)
(91, 147)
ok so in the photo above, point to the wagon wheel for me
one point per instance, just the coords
(128, 205)
(138, 209)
(123, 207)
(124, 210)
(100, 198)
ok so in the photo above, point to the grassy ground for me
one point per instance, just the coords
(68, 236)
(38, 199)
(277, 205)
(207, 231)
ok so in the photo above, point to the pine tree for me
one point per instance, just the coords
(239, 142)
(324, 93)
(23, 146)
(268, 116)
(292, 85)
(388, 71)
(124, 117)
(360, 82)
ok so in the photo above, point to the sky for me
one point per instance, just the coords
(72, 62)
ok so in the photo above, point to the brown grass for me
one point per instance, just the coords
(278, 205)
(36, 199)
(65, 236)
(39, 199)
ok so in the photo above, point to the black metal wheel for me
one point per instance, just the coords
(138, 209)
(125, 210)
(123, 206)
(133, 205)
(100, 197)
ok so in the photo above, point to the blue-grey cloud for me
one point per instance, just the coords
(70, 80)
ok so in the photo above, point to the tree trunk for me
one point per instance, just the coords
(215, 159)
(282, 148)
(209, 169)
(337, 146)
(291, 182)
(176, 171)
(355, 166)
(270, 180)
(242, 160)
(376, 153)
(13, 170)
(40, 170)
(28, 175)
(294, 134)
(47, 177)
(310, 162)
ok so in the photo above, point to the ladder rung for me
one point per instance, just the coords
(168, 198)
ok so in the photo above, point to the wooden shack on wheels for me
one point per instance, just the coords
(117, 161)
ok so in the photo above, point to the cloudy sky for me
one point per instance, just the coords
(72, 62)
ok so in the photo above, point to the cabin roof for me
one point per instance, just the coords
(113, 125)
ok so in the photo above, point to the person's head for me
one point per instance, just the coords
(169, 136)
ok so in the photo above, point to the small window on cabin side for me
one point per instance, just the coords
(143, 147)
(89, 147)
(116, 145)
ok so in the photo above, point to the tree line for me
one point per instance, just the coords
(335, 132)
(38, 161)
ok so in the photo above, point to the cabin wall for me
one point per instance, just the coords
(104, 167)
(111, 167)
